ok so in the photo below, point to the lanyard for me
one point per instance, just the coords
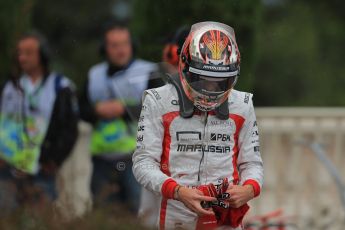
(33, 96)
(33, 106)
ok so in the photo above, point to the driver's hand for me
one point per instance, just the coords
(192, 198)
(239, 195)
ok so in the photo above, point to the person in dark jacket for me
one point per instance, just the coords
(38, 126)
(111, 102)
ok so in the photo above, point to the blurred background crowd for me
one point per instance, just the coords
(290, 56)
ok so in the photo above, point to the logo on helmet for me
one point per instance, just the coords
(216, 68)
(213, 44)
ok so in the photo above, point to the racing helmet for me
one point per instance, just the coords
(209, 64)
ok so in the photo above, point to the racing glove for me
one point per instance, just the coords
(207, 221)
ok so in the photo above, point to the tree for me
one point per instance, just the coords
(300, 62)
(15, 18)
(74, 30)
(154, 20)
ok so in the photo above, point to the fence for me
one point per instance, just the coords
(295, 180)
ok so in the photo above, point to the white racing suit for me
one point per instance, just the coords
(194, 151)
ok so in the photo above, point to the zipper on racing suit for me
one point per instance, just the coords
(203, 146)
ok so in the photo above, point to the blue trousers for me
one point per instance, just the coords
(29, 191)
(113, 181)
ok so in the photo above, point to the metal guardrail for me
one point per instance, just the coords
(300, 112)
(295, 179)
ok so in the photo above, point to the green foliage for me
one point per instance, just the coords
(154, 20)
(300, 56)
(74, 31)
(15, 18)
(291, 51)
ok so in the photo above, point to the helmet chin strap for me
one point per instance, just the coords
(187, 107)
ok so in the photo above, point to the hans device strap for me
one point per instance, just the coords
(186, 106)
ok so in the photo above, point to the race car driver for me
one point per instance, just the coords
(197, 140)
